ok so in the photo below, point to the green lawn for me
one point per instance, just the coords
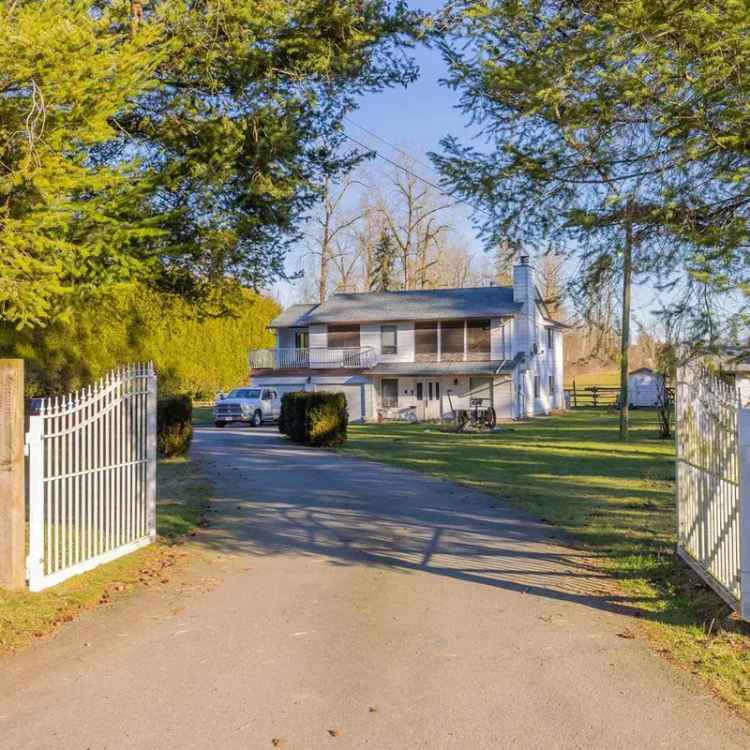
(182, 499)
(203, 414)
(609, 378)
(614, 499)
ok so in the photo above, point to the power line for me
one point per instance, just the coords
(413, 174)
(387, 143)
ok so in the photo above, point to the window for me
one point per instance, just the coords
(389, 393)
(429, 389)
(420, 391)
(551, 385)
(267, 395)
(425, 341)
(550, 339)
(301, 339)
(452, 341)
(536, 386)
(437, 391)
(244, 393)
(478, 340)
(343, 337)
(388, 339)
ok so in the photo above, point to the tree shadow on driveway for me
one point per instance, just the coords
(274, 498)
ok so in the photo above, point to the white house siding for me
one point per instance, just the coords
(503, 396)
(524, 291)
(318, 336)
(358, 390)
(501, 336)
(369, 335)
(743, 386)
(285, 338)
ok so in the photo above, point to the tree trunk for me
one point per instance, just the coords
(627, 273)
(325, 250)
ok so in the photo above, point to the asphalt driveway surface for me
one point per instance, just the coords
(344, 604)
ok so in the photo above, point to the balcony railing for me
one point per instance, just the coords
(282, 359)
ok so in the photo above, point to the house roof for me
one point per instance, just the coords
(292, 316)
(444, 368)
(641, 369)
(412, 304)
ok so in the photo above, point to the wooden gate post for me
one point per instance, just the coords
(743, 423)
(12, 499)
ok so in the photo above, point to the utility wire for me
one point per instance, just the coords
(386, 143)
(413, 174)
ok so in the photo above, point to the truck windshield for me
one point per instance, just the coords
(245, 393)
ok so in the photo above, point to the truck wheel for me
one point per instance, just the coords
(257, 419)
(220, 423)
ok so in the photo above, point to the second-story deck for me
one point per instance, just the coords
(291, 359)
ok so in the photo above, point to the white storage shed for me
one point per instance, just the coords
(644, 386)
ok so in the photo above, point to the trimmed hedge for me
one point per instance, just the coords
(317, 419)
(174, 421)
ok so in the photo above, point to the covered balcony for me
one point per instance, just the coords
(360, 357)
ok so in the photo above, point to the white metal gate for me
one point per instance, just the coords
(713, 483)
(92, 476)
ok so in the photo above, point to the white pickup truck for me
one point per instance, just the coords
(252, 405)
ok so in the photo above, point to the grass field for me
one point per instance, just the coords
(182, 498)
(203, 414)
(610, 378)
(614, 499)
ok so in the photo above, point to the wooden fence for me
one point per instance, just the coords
(593, 395)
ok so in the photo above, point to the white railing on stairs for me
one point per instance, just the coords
(92, 475)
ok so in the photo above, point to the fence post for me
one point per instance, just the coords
(151, 451)
(36, 503)
(12, 500)
(743, 420)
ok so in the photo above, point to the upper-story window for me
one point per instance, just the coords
(389, 339)
(550, 339)
(452, 340)
(477, 340)
(425, 341)
(301, 339)
(343, 337)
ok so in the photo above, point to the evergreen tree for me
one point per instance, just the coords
(570, 163)
(69, 218)
(178, 143)
(382, 278)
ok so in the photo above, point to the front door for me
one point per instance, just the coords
(428, 398)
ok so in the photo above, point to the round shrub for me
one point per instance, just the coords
(174, 420)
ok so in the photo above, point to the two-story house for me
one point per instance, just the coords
(426, 352)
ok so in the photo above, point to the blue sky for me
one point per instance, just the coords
(416, 118)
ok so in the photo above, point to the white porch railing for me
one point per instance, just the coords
(92, 476)
(278, 359)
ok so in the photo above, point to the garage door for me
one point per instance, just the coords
(353, 395)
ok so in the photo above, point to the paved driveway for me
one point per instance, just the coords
(344, 604)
